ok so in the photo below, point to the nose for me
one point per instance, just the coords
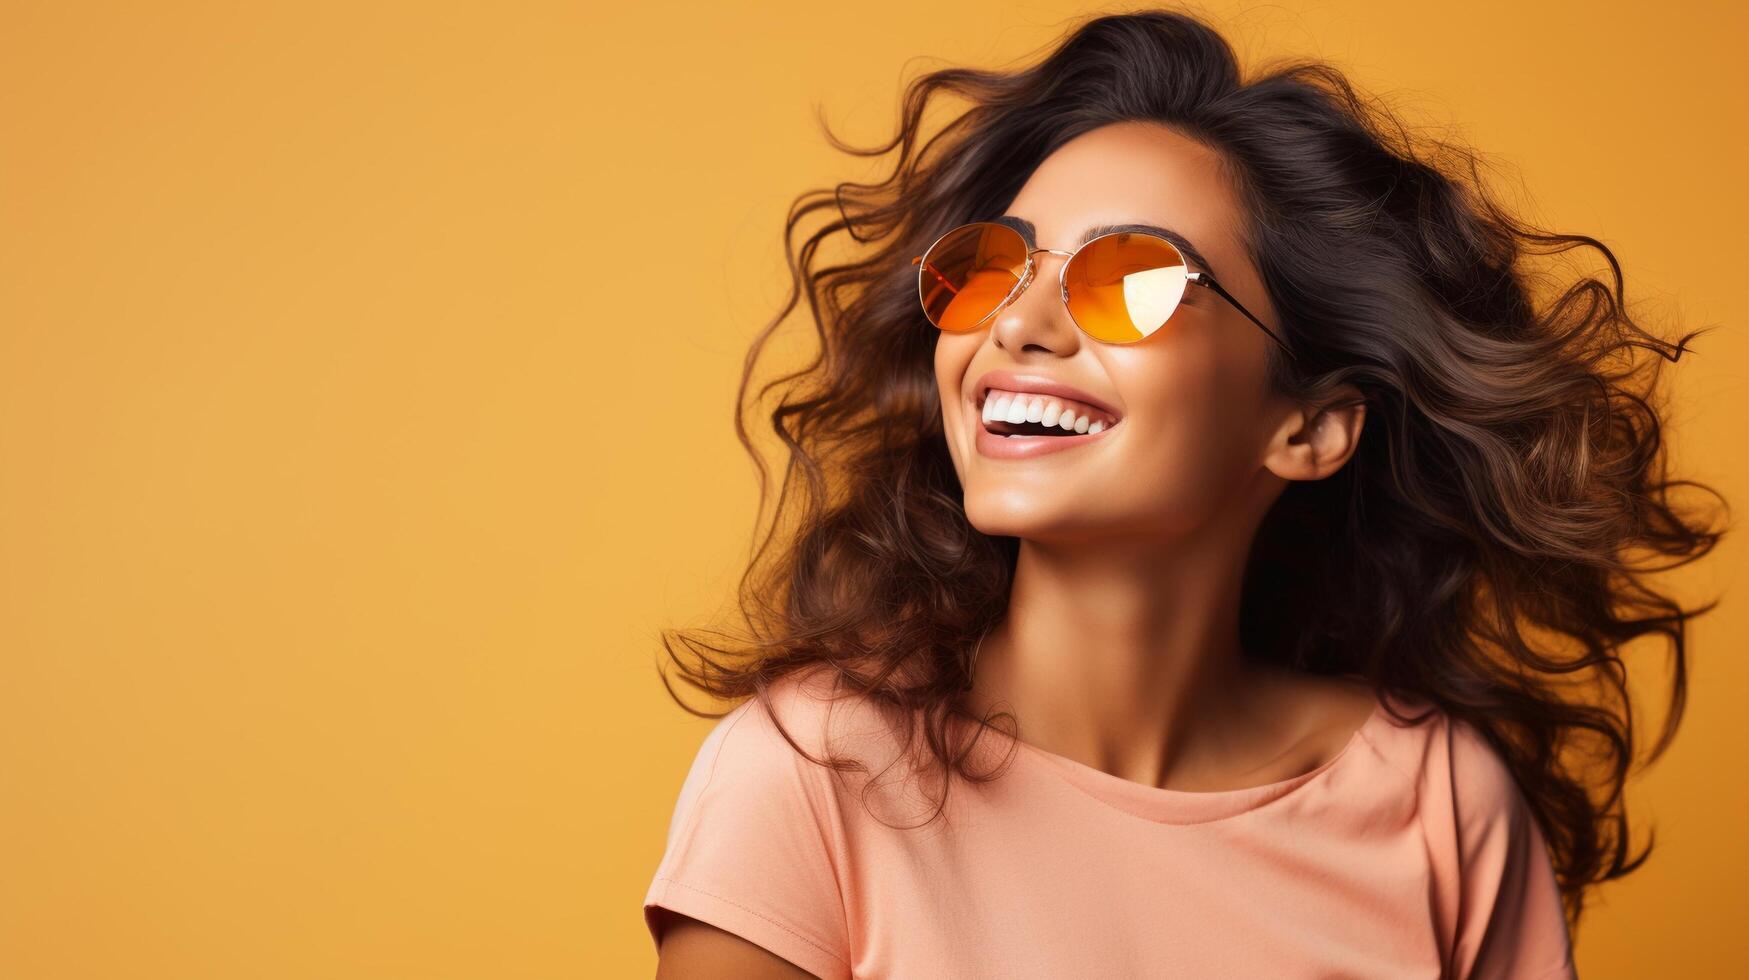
(1038, 317)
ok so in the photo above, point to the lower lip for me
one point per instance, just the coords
(1025, 447)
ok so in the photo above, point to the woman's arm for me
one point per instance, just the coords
(694, 950)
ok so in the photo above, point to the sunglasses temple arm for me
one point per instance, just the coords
(1205, 280)
(936, 273)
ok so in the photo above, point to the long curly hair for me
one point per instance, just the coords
(1497, 523)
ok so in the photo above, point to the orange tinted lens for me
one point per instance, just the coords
(969, 272)
(1125, 287)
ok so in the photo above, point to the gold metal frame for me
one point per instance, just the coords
(1199, 278)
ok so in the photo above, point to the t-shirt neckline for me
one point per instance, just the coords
(1189, 806)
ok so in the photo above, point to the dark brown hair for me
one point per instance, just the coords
(1497, 522)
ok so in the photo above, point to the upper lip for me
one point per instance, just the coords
(1038, 384)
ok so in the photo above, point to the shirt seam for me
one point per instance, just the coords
(693, 814)
(1388, 761)
(1281, 789)
(1415, 785)
(823, 804)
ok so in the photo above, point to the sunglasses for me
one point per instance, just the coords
(1120, 288)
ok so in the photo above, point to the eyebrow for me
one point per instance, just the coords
(1030, 233)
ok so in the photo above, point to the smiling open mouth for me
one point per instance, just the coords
(1008, 414)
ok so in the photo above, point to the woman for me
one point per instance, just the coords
(1192, 484)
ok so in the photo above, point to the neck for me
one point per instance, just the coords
(1125, 655)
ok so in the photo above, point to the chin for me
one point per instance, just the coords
(1021, 515)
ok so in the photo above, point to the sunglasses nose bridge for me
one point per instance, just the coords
(1062, 272)
(1031, 273)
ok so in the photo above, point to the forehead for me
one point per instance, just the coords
(1133, 172)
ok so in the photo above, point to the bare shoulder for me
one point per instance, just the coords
(700, 951)
(1330, 708)
(1348, 701)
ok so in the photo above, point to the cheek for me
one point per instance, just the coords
(947, 363)
(1195, 438)
(953, 356)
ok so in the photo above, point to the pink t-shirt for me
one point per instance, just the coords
(1411, 854)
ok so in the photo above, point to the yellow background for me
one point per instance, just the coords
(350, 461)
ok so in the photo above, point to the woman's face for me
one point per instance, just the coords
(1195, 417)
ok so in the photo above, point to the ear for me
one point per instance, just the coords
(1313, 441)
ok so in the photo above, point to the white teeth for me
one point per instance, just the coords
(1013, 407)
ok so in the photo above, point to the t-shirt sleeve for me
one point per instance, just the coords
(1510, 923)
(750, 849)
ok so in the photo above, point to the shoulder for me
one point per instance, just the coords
(1416, 733)
(762, 754)
(755, 845)
(1496, 899)
(1482, 782)
(1510, 917)
(1457, 765)
(753, 749)
(805, 711)
(1333, 709)
(1463, 782)
(1434, 748)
